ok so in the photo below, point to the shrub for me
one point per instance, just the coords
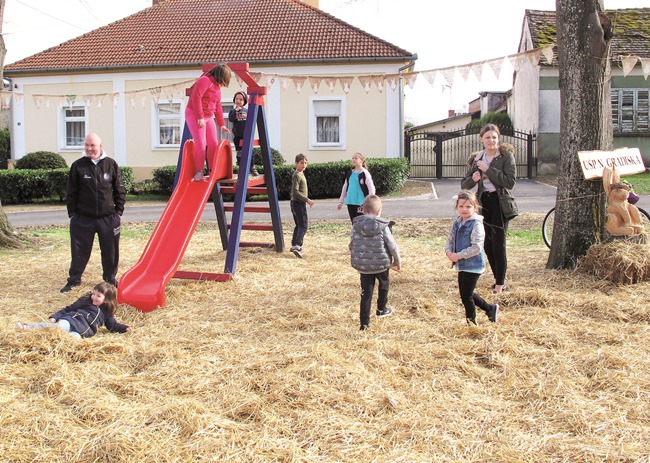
(41, 160)
(325, 180)
(164, 177)
(146, 187)
(26, 185)
(127, 178)
(501, 120)
(5, 148)
(276, 157)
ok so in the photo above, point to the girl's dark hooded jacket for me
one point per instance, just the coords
(85, 318)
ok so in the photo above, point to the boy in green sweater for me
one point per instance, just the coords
(299, 201)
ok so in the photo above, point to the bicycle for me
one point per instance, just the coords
(549, 220)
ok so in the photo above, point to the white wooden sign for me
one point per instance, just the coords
(626, 161)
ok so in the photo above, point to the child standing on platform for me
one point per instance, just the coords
(85, 316)
(373, 252)
(203, 105)
(238, 116)
(464, 248)
(358, 184)
(299, 201)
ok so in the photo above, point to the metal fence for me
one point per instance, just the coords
(444, 154)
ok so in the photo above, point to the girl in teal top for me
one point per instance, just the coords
(358, 184)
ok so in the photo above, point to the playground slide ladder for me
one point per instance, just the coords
(231, 232)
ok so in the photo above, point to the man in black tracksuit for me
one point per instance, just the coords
(95, 201)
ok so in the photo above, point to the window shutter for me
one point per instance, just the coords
(643, 111)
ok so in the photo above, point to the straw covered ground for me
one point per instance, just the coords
(271, 367)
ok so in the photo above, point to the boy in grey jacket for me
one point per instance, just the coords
(373, 252)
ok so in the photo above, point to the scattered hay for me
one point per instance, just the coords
(271, 366)
(621, 262)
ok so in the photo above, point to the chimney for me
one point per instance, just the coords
(313, 3)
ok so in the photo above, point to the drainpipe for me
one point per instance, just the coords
(401, 102)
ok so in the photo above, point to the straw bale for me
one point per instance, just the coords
(621, 261)
(271, 366)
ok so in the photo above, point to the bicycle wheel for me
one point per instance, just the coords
(645, 220)
(547, 227)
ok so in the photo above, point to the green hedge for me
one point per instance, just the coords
(41, 160)
(324, 179)
(5, 148)
(25, 186)
(501, 120)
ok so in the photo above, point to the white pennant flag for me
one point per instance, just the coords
(430, 76)
(116, 99)
(330, 82)
(548, 54)
(496, 65)
(477, 70)
(534, 56)
(448, 76)
(346, 83)
(628, 64)
(379, 82)
(315, 83)
(411, 77)
(38, 99)
(366, 82)
(645, 65)
(464, 72)
(298, 81)
(70, 99)
(517, 61)
(393, 81)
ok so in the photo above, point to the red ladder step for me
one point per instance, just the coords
(230, 208)
(256, 226)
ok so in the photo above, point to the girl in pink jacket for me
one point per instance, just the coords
(203, 105)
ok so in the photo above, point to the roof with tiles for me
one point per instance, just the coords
(189, 32)
(631, 31)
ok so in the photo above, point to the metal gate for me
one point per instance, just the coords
(444, 154)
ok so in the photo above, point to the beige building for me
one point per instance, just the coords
(332, 88)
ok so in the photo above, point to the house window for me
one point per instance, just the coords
(168, 130)
(630, 110)
(327, 123)
(75, 123)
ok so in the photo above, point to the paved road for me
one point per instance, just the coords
(531, 195)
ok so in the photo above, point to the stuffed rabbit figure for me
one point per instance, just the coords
(623, 218)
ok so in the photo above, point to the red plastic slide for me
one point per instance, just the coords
(143, 286)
